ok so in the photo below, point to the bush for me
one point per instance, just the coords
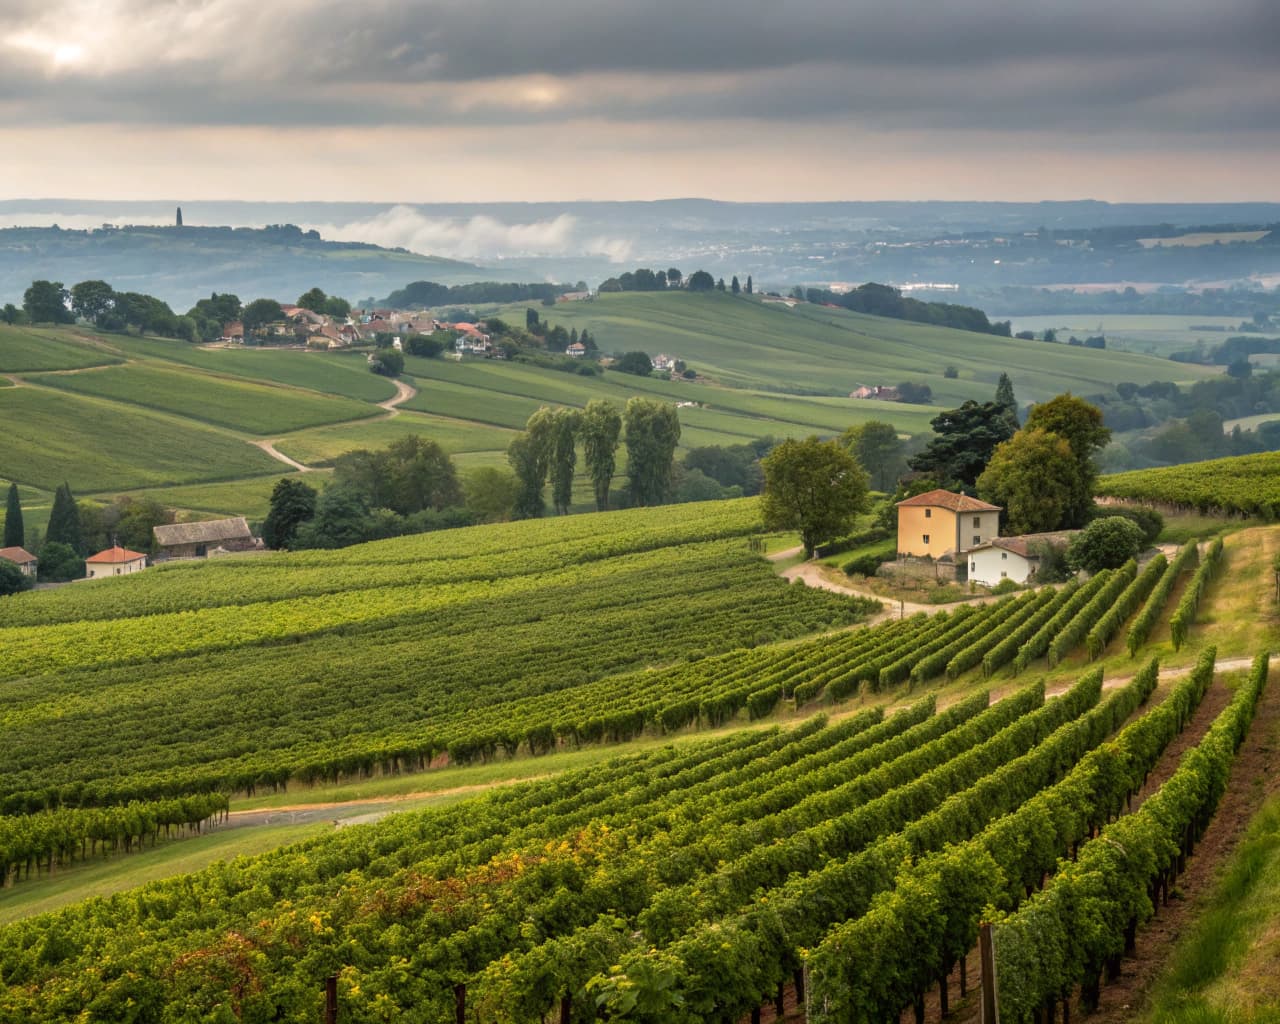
(12, 579)
(59, 563)
(863, 565)
(1005, 586)
(1105, 544)
(1148, 519)
(388, 363)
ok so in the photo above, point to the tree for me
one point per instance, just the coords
(178, 221)
(1034, 477)
(10, 314)
(734, 286)
(673, 277)
(411, 474)
(1105, 544)
(1080, 424)
(730, 466)
(815, 487)
(259, 313)
(64, 522)
(387, 363)
(12, 579)
(652, 433)
(699, 281)
(337, 308)
(564, 458)
(341, 519)
(490, 493)
(964, 441)
(314, 300)
(15, 534)
(529, 464)
(60, 562)
(1006, 400)
(601, 427)
(638, 363)
(136, 522)
(45, 302)
(750, 287)
(879, 451)
(292, 504)
(92, 299)
(720, 285)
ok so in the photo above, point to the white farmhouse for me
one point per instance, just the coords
(1013, 558)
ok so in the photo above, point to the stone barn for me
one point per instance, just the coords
(199, 540)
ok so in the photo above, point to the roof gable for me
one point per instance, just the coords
(949, 500)
(114, 556)
(21, 556)
(206, 532)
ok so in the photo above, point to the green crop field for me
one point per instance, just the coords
(815, 349)
(1240, 485)
(29, 349)
(1153, 334)
(101, 446)
(222, 401)
(321, 445)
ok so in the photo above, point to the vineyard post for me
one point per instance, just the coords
(331, 999)
(990, 1001)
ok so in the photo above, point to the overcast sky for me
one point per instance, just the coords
(474, 100)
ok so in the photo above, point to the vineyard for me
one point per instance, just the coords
(918, 778)
(1243, 485)
(691, 883)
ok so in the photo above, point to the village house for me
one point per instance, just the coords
(939, 523)
(883, 392)
(576, 349)
(573, 297)
(199, 540)
(115, 561)
(20, 557)
(233, 332)
(1013, 558)
(662, 361)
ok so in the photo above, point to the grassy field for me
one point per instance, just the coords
(816, 349)
(29, 349)
(1151, 334)
(190, 413)
(221, 401)
(250, 496)
(96, 445)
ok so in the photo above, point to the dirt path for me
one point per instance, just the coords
(355, 812)
(270, 448)
(815, 574)
(404, 392)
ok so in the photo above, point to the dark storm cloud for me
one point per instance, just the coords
(1154, 66)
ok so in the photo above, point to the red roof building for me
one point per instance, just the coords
(20, 557)
(115, 561)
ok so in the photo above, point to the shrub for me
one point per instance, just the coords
(1150, 521)
(863, 565)
(1105, 544)
(1005, 586)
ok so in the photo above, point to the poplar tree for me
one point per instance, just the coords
(601, 429)
(15, 535)
(653, 431)
(564, 457)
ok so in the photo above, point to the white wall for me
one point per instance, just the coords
(989, 566)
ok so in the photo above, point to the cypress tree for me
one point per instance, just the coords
(1005, 399)
(15, 535)
(64, 521)
(750, 289)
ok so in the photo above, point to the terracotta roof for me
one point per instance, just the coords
(948, 500)
(206, 532)
(1021, 545)
(19, 555)
(115, 556)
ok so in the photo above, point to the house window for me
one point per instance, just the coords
(973, 566)
(1003, 574)
(1004, 556)
(928, 513)
(977, 539)
(926, 538)
(977, 520)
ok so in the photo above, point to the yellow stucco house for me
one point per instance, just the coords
(939, 523)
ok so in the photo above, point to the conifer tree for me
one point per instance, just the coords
(750, 289)
(64, 521)
(1005, 399)
(15, 535)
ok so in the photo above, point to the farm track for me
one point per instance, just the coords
(404, 393)
(270, 448)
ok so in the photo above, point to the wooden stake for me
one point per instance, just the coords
(990, 997)
(331, 999)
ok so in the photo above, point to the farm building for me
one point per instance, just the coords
(1014, 558)
(20, 557)
(199, 540)
(940, 522)
(115, 561)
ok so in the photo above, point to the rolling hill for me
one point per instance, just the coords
(209, 430)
